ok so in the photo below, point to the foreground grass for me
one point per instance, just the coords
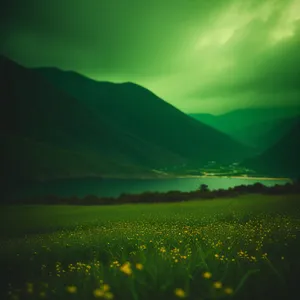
(242, 248)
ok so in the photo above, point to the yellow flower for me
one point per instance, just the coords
(125, 268)
(217, 285)
(139, 266)
(72, 289)
(162, 249)
(105, 287)
(98, 293)
(108, 296)
(228, 291)
(42, 294)
(179, 293)
(207, 275)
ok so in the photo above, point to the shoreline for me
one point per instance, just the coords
(237, 177)
(159, 177)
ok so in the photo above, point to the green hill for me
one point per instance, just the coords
(282, 159)
(63, 125)
(142, 113)
(257, 127)
(48, 134)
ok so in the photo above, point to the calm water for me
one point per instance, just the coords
(115, 187)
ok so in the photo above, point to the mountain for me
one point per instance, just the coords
(256, 127)
(57, 124)
(139, 111)
(278, 130)
(47, 134)
(282, 159)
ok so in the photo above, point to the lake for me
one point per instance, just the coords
(115, 187)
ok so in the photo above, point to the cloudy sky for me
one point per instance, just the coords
(199, 55)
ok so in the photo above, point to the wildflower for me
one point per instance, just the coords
(108, 296)
(207, 275)
(42, 294)
(228, 291)
(139, 266)
(72, 289)
(105, 287)
(217, 285)
(162, 249)
(179, 293)
(98, 293)
(125, 268)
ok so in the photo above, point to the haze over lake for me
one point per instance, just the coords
(115, 187)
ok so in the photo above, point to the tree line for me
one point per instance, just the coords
(202, 193)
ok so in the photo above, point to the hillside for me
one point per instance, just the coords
(140, 112)
(282, 159)
(257, 127)
(48, 134)
(278, 130)
(75, 127)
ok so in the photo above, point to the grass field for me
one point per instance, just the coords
(242, 248)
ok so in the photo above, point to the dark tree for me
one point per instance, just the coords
(203, 188)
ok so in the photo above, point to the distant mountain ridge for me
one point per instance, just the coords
(57, 124)
(256, 127)
(283, 158)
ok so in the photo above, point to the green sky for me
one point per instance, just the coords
(199, 55)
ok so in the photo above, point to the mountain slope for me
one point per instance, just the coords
(257, 127)
(282, 159)
(279, 129)
(35, 114)
(71, 126)
(140, 112)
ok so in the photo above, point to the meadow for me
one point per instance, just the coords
(245, 247)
